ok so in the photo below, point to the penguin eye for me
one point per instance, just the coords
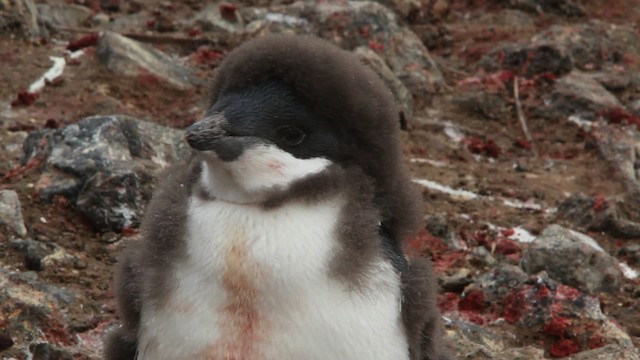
(290, 135)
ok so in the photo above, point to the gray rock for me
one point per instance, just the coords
(609, 352)
(47, 351)
(404, 7)
(619, 146)
(617, 217)
(20, 16)
(489, 106)
(209, 19)
(11, 212)
(108, 162)
(579, 94)
(528, 60)
(39, 254)
(472, 341)
(401, 94)
(131, 58)
(541, 307)
(31, 314)
(353, 24)
(592, 45)
(63, 15)
(560, 7)
(573, 259)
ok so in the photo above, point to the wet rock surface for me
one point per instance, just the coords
(497, 167)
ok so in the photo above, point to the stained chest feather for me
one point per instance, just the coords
(256, 284)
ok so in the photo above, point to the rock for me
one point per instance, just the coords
(20, 16)
(569, 320)
(30, 315)
(578, 94)
(620, 218)
(559, 7)
(5, 341)
(405, 7)
(353, 24)
(528, 60)
(11, 212)
(631, 253)
(63, 15)
(39, 254)
(620, 146)
(46, 351)
(131, 58)
(472, 341)
(490, 106)
(593, 45)
(108, 162)
(211, 19)
(400, 92)
(572, 258)
(609, 352)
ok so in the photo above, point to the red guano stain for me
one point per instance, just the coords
(599, 202)
(516, 304)
(557, 326)
(448, 302)
(472, 301)
(478, 146)
(88, 40)
(563, 348)
(24, 98)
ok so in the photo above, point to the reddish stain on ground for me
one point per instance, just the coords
(24, 98)
(472, 301)
(557, 326)
(564, 347)
(83, 42)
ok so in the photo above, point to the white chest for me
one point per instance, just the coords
(256, 285)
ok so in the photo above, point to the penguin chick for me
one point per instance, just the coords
(281, 238)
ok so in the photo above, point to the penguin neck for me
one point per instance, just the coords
(219, 184)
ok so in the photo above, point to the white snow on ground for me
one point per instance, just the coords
(628, 272)
(469, 195)
(54, 71)
(455, 193)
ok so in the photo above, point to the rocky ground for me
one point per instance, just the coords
(522, 127)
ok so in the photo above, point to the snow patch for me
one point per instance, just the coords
(435, 163)
(54, 71)
(455, 193)
(453, 132)
(580, 121)
(628, 272)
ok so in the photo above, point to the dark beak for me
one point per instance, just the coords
(211, 134)
(202, 134)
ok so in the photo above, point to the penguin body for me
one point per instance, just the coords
(281, 238)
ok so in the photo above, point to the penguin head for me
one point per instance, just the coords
(288, 108)
(265, 136)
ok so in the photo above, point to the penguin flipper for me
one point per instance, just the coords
(121, 344)
(420, 313)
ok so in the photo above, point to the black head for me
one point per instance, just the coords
(269, 113)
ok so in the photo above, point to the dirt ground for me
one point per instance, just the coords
(569, 163)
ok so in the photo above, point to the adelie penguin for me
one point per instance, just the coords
(281, 239)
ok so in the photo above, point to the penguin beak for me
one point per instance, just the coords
(202, 134)
(211, 134)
